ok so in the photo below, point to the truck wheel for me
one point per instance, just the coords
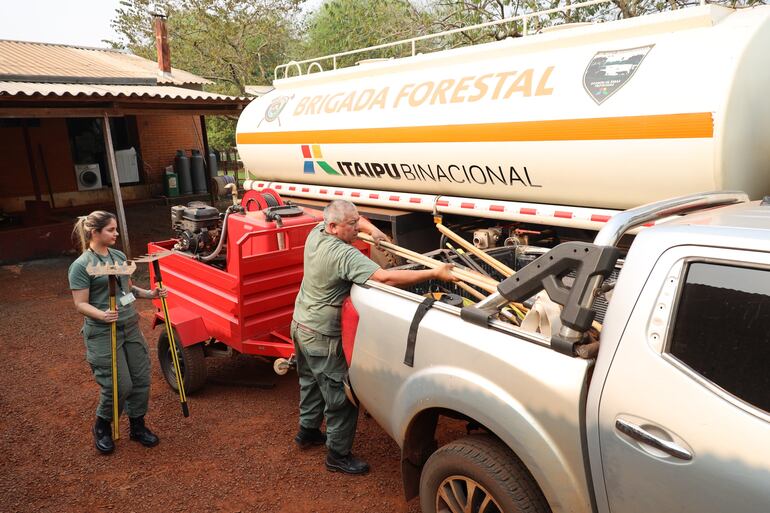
(191, 360)
(478, 474)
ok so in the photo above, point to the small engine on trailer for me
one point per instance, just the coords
(197, 227)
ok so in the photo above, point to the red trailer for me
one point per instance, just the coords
(241, 301)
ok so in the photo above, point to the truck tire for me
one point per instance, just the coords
(191, 360)
(499, 481)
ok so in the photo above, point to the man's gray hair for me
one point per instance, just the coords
(337, 211)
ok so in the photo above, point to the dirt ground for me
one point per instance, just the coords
(233, 454)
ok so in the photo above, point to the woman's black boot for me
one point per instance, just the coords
(103, 436)
(141, 434)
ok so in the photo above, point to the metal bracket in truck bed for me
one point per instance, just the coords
(591, 264)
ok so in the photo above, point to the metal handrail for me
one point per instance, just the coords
(621, 223)
(412, 41)
(626, 220)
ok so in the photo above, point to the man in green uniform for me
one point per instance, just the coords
(332, 265)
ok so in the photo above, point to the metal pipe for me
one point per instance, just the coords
(280, 235)
(211, 256)
(619, 224)
(492, 303)
(493, 262)
(413, 40)
(585, 218)
(624, 221)
(466, 259)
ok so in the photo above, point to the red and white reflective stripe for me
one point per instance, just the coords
(539, 213)
(536, 213)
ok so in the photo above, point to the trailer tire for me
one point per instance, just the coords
(482, 462)
(191, 359)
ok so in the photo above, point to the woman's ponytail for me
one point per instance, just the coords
(79, 233)
(85, 225)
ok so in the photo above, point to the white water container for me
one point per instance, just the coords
(609, 115)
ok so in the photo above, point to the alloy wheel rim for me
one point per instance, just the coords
(461, 494)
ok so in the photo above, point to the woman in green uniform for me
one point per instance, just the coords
(96, 234)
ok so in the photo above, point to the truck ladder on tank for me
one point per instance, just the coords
(314, 64)
(592, 263)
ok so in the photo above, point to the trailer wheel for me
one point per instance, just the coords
(191, 360)
(478, 474)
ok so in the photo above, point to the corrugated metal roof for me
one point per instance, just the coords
(45, 90)
(45, 62)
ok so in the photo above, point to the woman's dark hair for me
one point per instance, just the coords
(85, 225)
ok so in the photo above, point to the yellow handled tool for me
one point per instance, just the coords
(112, 271)
(114, 340)
(171, 341)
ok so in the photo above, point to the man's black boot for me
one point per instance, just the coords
(348, 464)
(141, 434)
(103, 436)
(307, 438)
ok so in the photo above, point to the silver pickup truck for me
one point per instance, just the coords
(671, 414)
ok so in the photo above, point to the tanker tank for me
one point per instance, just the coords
(607, 115)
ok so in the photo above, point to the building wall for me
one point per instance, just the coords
(161, 135)
(159, 138)
(50, 139)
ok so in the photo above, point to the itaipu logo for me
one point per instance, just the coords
(482, 174)
(313, 156)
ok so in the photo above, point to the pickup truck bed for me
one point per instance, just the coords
(673, 414)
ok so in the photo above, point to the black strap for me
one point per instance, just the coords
(411, 339)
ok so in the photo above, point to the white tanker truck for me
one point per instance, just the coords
(563, 127)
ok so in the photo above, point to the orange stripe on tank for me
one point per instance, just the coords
(663, 126)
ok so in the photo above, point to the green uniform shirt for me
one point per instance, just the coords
(331, 268)
(98, 286)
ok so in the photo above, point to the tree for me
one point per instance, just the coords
(233, 42)
(451, 14)
(343, 25)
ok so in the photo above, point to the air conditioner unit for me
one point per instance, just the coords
(88, 176)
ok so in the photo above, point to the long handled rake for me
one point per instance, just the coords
(153, 259)
(112, 271)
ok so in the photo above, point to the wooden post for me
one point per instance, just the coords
(206, 150)
(113, 168)
(31, 159)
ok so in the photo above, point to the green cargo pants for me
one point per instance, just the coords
(133, 367)
(321, 367)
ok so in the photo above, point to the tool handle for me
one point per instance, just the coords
(174, 357)
(156, 270)
(113, 281)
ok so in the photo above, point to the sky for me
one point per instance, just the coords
(72, 22)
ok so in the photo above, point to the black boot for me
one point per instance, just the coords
(348, 464)
(141, 434)
(307, 438)
(103, 436)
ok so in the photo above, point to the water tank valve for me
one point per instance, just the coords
(487, 237)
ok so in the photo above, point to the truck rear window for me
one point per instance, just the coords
(722, 329)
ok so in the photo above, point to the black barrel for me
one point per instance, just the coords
(182, 168)
(198, 172)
